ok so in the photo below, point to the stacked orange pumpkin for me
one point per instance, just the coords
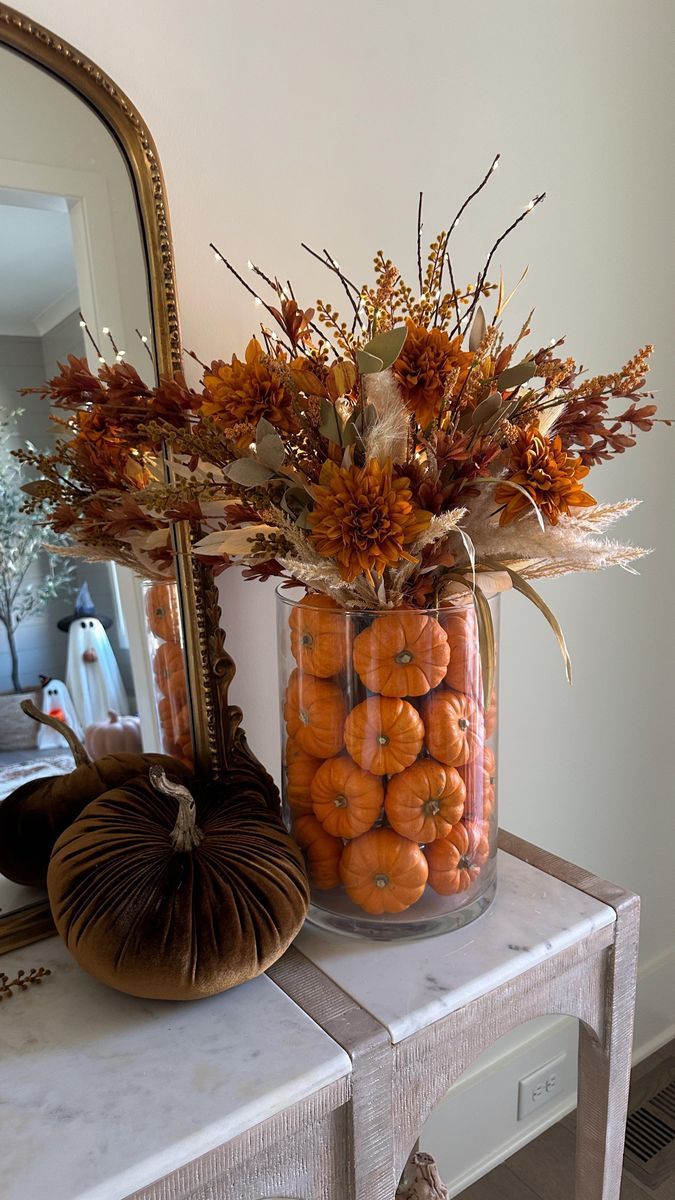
(388, 781)
(168, 663)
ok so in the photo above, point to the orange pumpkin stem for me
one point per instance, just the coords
(78, 751)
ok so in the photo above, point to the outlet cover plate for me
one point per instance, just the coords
(540, 1086)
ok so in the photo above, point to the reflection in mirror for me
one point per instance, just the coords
(88, 642)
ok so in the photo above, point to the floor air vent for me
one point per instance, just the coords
(650, 1131)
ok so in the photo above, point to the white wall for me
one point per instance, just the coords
(321, 122)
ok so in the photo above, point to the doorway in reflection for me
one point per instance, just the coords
(65, 641)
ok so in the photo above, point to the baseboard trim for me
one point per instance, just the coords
(499, 1155)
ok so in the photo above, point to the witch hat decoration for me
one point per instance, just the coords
(84, 608)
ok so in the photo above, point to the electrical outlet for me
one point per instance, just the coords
(540, 1086)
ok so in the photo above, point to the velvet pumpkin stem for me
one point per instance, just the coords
(78, 751)
(186, 834)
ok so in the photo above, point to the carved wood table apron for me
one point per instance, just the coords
(557, 940)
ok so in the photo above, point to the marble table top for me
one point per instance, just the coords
(101, 1093)
(407, 985)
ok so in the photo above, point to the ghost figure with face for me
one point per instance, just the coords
(92, 674)
(56, 702)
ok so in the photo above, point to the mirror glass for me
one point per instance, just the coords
(87, 642)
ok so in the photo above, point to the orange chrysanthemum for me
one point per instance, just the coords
(243, 392)
(364, 518)
(425, 369)
(548, 474)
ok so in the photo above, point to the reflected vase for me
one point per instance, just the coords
(169, 679)
(389, 764)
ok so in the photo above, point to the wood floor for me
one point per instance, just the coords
(544, 1170)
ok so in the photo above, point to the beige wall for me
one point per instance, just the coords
(321, 122)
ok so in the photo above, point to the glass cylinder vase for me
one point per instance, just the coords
(389, 763)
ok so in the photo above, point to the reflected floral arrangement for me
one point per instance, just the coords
(388, 458)
(92, 487)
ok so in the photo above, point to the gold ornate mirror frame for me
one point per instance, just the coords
(219, 742)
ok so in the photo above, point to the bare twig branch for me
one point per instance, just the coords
(474, 193)
(419, 242)
(483, 275)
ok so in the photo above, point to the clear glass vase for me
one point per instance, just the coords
(389, 762)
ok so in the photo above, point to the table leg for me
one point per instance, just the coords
(604, 1069)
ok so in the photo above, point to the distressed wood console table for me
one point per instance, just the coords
(313, 1083)
(556, 940)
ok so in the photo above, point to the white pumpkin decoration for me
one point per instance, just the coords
(117, 734)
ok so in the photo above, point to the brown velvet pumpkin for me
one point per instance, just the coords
(33, 816)
(170, 897)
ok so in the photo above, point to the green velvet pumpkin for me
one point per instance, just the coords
(33, 817)
(171, 897)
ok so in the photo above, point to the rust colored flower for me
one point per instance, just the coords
(364, 518)
(246, 391)
(548, 474)
(99, 460)
(428, 365)
(174, 401)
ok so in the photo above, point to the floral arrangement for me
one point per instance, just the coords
(392, 457)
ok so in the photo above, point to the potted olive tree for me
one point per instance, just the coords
(24, 591)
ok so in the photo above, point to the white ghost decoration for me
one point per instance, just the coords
(56, 702)
(92, 674)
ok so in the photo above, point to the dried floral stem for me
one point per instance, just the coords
(419, 242)
(347, 284)
(21, 981)
(483, 275)
(249, 289)
(455, 222)
(143, 339)
(92, 339)
(191, 354)
(455, 298)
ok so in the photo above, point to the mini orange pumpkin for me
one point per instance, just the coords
(176, 729)
(384, 734)
(455, 861)
(169, 668)
(300, 771)
(320, 636)
(463, 673)
(491, 716)
(382, 872)
(322, 851)
(162, 612)
(314, 711)
(454, 728)
(425, 800)
(347, 800)
(479, 777)
(402, 654)
(167, 713)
